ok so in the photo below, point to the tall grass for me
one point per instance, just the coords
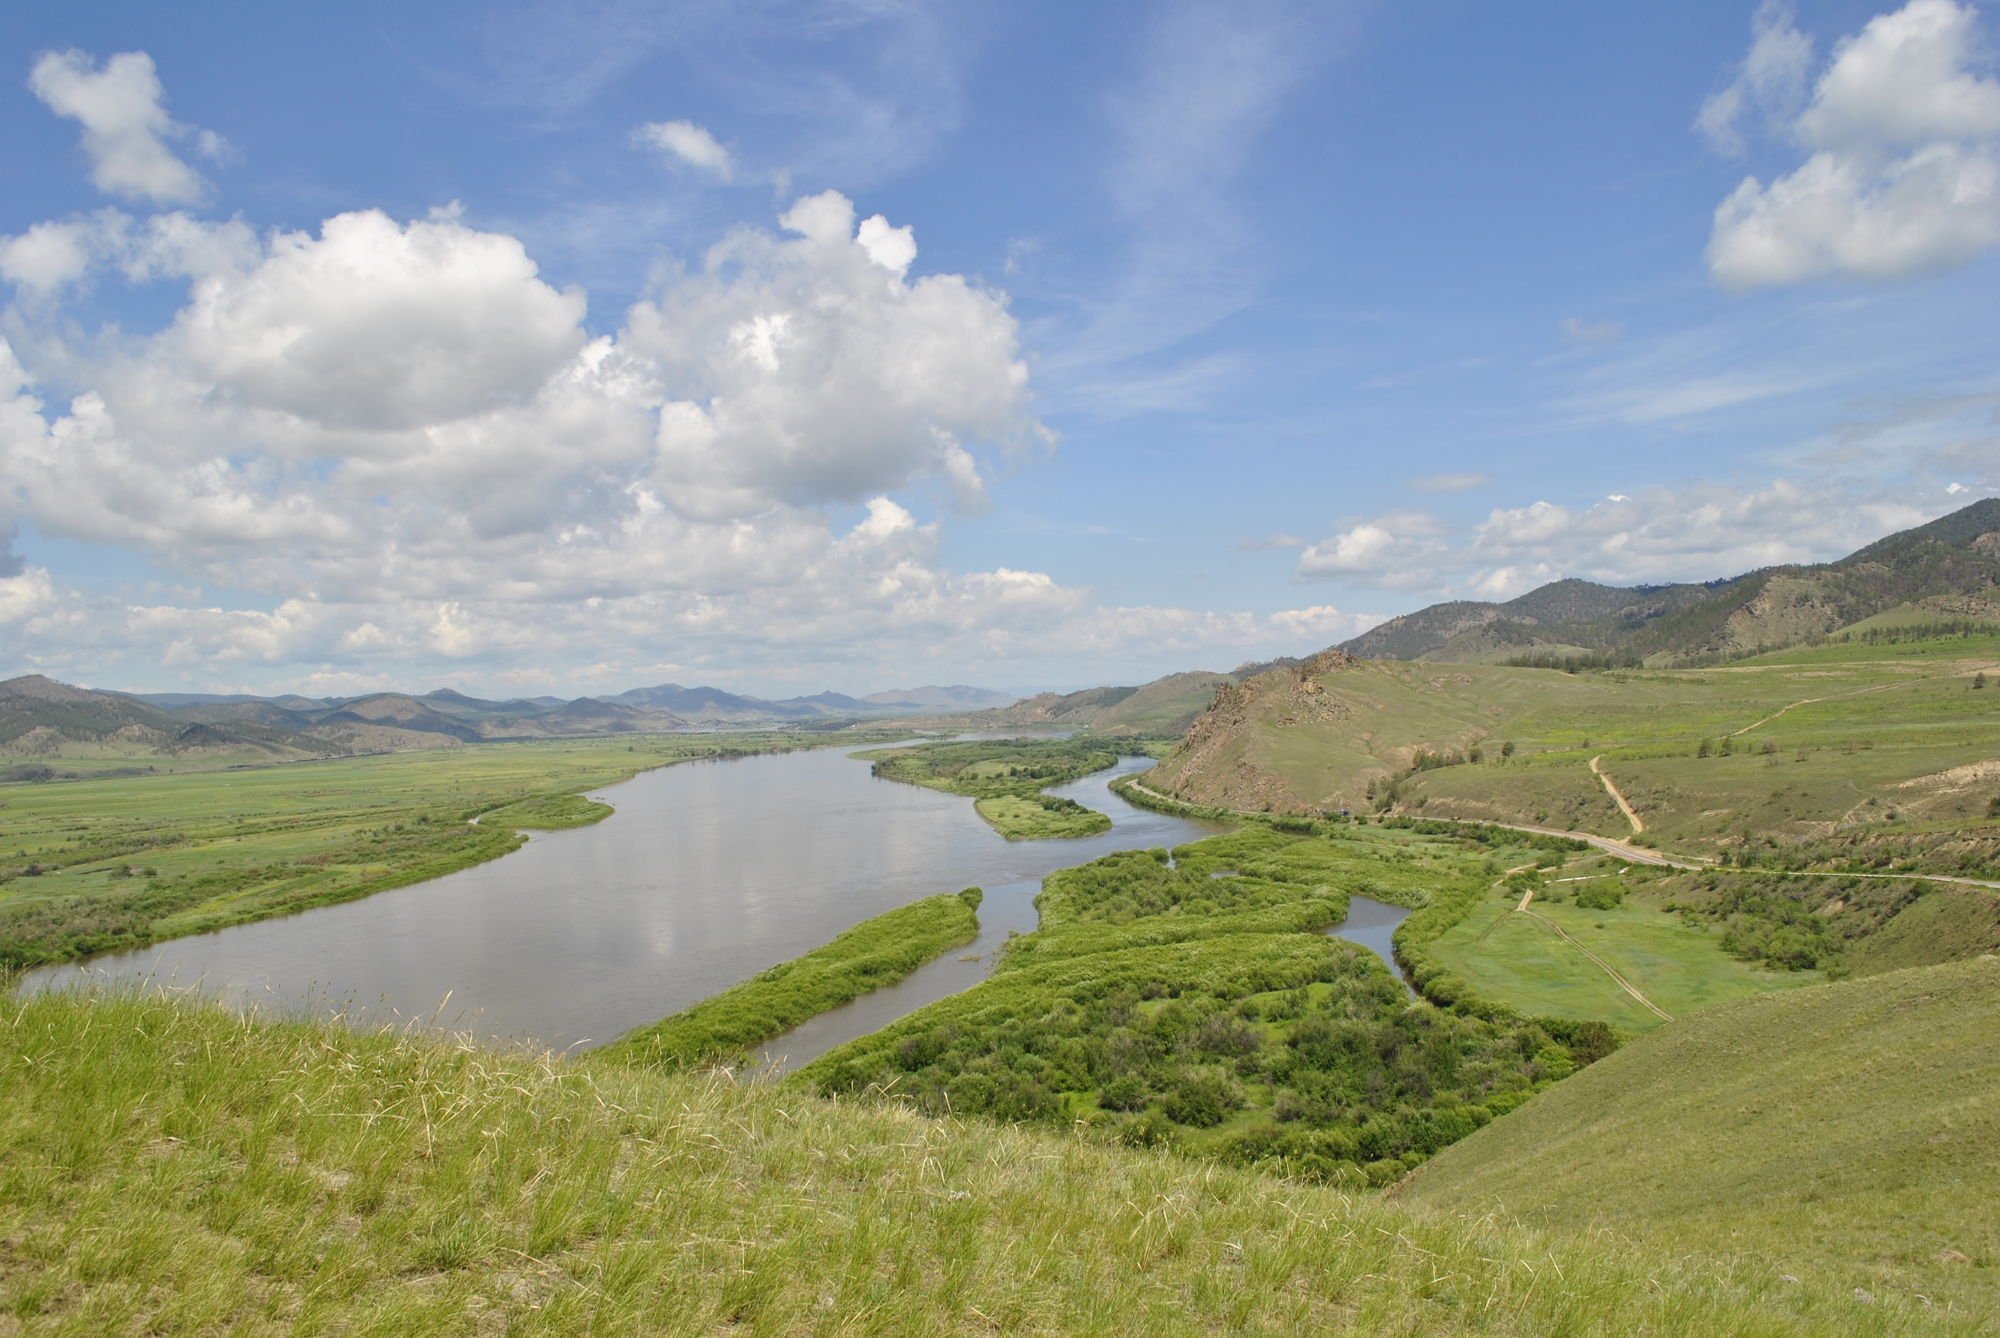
(168, 1167)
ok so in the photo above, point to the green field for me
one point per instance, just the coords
(724, 1029)
(1005, 779)
(94, 865)
(168, 1167)
(1517, 958)
(1848, 1133)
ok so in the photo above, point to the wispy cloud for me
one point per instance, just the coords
(1450, 482)
(1577, 330)
(1671, 400)
(1205, 87)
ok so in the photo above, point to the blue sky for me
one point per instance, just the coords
(786, 346)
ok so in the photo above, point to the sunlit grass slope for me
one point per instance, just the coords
(1519, 959)
(1838, 752)
(171, 1168)
(1849, 1133)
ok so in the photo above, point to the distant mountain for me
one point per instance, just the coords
(43, 719)
(713, 706)
(836, 702)
(957, 697)
(1165, 706)
(594, 716)
(1948, 570)
(38, 713)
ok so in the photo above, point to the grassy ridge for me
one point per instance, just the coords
(1848, 1132)
(168, 1167)
(1875, 756)
(97, 865)
(1005, 778)
(877, 952)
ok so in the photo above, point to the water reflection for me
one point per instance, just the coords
(708, 873)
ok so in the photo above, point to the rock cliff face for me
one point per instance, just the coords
(1218, 763)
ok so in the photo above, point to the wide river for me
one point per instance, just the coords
(708, 873)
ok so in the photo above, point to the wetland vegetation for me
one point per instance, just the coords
(727, 1027)
(1005, 779)
(1194, 1000)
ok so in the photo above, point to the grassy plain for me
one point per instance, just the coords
(1848, 1132)
(169, 1167)
(1005, 779)
(92, 865)
(1517, 958)
(880, 951)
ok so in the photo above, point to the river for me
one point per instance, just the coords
(707, 873)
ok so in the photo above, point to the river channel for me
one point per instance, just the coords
(706, 873)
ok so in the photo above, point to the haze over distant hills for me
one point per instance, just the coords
(42, 718)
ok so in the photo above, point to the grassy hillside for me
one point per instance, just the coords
(170, 1168)
(1850, 1133)
(1861, 754)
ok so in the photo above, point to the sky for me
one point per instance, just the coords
(860, 344)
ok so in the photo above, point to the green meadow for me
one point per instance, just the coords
(1519, 958)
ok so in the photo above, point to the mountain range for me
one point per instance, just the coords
(1946, 571)
(42, 718)
(1405, 713)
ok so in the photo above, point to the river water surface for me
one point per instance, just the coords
(708, 873)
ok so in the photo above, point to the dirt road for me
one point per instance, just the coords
(1624, 806)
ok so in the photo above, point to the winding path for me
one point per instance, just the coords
(1860, 692)
(1632, 854)
(1624, 805)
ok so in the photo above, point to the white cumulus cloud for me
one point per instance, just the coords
(122, 109)
(1397, 550)
(378, 325)
(689, 143)
(809, 368)
(1902, 175)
